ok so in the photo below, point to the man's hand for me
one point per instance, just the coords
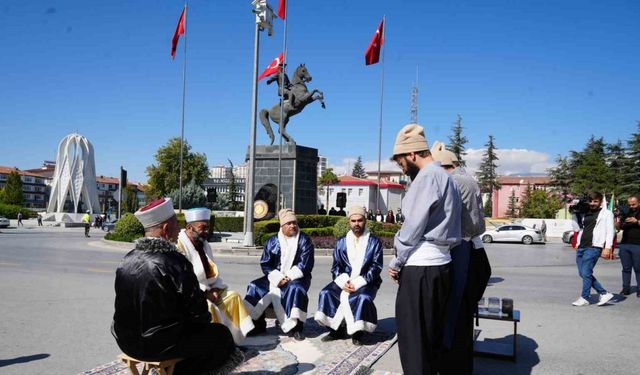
(395, 275)
(213, 295)
(606, 253)
(283, 282)
(631, 220)
(348, 287)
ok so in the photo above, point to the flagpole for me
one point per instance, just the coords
(184, 87)
(280, 127)
(384, 31)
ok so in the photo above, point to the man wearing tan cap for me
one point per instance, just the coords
(470, 266)
(287, 261)
(160, 311)
(421, 263)
(226, 306)
(346, 304)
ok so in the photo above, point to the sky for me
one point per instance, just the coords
(540, 76)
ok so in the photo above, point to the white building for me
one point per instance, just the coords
(363, 192)
(322, 164)
(224, 171)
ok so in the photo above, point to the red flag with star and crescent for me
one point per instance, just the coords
(372, 55)
(273, 67)
(179, 31)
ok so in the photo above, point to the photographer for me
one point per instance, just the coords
(595, 239)
(630, 245)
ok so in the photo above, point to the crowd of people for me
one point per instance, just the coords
(171, 301)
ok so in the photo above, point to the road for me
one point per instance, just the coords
(57, 304)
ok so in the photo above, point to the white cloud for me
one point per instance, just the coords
(510, 162)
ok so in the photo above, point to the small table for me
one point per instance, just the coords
(496, 349)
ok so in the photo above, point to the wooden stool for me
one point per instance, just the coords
(165, 367)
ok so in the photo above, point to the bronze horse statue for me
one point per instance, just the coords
(296, 99)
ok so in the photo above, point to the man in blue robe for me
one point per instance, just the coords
(287, 262)
(346, 304)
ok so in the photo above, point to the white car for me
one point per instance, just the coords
(4, 222)
(513, 233)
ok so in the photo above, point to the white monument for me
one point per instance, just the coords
(74, 179)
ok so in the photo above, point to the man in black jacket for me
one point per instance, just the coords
(630, 245)
(160, 311)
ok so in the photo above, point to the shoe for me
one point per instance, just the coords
(356, 339)
(333, 335)
(604, 298)
(638, 293)
(581, 302)
(298, 335)
(625, 291)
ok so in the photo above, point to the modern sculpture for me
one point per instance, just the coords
(74, 176)
(295, 99)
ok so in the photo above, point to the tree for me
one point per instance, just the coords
(591, 172)
(358, 169)
(487, 175)
(12, 191)
(540, 204)
(129, 200)
(164, 176)
(193, 195)
(232, 193)
(561, 177)
(327, 179)
(457, 141)
(631, 171)
(617, 163)
(513, 206)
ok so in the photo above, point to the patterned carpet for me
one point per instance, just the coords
(274, 353)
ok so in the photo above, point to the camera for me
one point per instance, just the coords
(580, 205)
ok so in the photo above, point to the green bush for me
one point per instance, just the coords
(182, 223)
(327, 231)
(263, 237)
(263, 227)
(127, 229)
(342, 227)
(229, 224)
(10, 211)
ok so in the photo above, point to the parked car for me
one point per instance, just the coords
(567, 236)
(4, 222)
(513, 233)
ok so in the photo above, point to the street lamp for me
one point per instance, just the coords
(264, 18)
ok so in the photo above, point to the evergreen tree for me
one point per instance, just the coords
(325, 180)
(591, 172)
(193, 196)
(540, 204)
(617, 162)
(129, 200)
(358, 169)
(232, 193)
(631, 171)
(12, 191)
(457, 141)
(487, 175)
(513, 205)
(164, 176)
(561, 177)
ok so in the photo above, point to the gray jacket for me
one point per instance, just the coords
(432, 213)
(472, 209)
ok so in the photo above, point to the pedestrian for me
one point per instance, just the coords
(86, 219)
(379, 217)
(543, 230)
(333, 212)
(422, 247)
(630, 246)
(321, 210)
(391, 219)
(595, 239)
(39, 220)
(470, 266)
(20, 219)
(160, 311)
(370, 215)
(399, 216)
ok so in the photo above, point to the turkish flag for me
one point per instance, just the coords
(179, 31)
(372, 55)
(273, 67)
(282, 9)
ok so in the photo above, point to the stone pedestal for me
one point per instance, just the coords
(299, 176)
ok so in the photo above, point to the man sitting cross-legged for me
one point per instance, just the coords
(287, 262)
(346, 304)
(226, 306)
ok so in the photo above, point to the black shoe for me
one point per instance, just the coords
(638, 293)
(332, 336)
(625, 291)
(259, 327)
(356, 339)
(298, 335)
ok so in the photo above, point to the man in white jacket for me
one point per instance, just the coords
(595, 239)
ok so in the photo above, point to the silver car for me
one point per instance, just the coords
(4, 222)
(513, 233)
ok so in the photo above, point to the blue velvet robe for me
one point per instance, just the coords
(291, 306)
(364, 315)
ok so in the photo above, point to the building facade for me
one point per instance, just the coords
(34, 187)
(365, 193)
(516, 185)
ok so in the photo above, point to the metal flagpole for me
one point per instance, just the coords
(281, 125)
(384, 31)
(184, 87)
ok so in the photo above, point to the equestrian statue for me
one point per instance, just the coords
(295, 96)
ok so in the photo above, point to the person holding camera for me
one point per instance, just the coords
(595, 239)
(629, 247)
